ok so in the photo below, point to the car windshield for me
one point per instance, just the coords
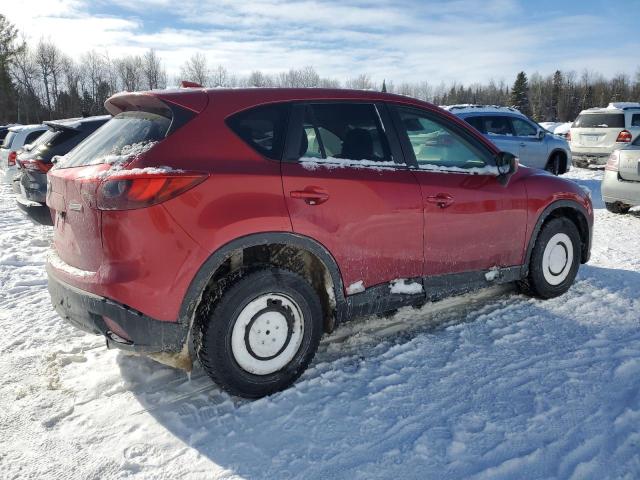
(8, 139)
(124, 135)
(599, 120)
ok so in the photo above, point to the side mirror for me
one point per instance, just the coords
(541, 134)
(507, 164)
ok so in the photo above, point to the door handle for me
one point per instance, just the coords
(522, 144)
(443, 200)
(311, 197)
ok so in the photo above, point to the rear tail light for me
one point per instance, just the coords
(35, 165)
(624, 136)
(11, 160)
(128, 192)
(612, 162)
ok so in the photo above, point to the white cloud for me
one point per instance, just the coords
(462, 40)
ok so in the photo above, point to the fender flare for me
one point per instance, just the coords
(216, 259)
(543, 217)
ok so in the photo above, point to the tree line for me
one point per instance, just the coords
(40, 82)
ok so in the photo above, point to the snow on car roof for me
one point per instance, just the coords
(34, 126)
(616, 106)
(472, 108)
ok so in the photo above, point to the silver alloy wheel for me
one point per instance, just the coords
(267, 334)
(557, 259)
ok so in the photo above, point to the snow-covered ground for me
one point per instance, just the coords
(491, 385)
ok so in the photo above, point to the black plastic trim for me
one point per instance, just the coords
(85, 310)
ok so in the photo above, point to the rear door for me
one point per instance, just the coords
(73, 182)
(533, 150)
(471, 222)
(347, 187)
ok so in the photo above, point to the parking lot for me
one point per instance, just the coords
(492, 385)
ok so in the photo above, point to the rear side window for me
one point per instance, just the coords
(496, 125)
(124, 135)
(350, 131)
(477, 123)
(8, 140)
(262, 128)
(599, 120)
(635, 120)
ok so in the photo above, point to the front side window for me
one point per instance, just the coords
(262, 128)
(436, 146)
(477, 123)
(523, 128)
(347, 131)
(125, 135)
(497, 125)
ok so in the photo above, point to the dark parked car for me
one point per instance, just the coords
(252, 221)
(30, 184)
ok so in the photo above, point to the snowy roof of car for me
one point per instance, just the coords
(615, 106)
(34, 126)
(473, 108)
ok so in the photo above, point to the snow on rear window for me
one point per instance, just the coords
(122, 138)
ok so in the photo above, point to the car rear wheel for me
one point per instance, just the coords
(261, 334)
(617, 207)
(554, 260)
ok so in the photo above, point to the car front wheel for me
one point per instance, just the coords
(554, 260)
(261, 333)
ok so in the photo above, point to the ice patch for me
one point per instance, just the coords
(402, 286)
(356, 287)
(492, 274)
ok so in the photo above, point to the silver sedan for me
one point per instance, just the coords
(621, 182)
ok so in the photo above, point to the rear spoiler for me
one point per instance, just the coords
(53, 125)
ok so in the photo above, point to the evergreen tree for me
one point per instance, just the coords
(384, 86)
(555, 94)
(520, 94)
(9, 48)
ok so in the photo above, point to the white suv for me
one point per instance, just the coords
(16, 140)
(599, 131)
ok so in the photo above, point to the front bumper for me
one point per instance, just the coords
(615, 189)
(123, 327)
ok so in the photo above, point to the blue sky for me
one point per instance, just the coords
(404, 40)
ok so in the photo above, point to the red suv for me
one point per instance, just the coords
(242, 224)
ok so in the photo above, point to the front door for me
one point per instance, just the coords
(347, 188)
(471, 222)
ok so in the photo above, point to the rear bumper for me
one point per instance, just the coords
(599, 158)
(123, 328)
(37, 212)
(614, 189)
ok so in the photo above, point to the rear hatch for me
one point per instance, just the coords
(140, 122)
(597, 130)
(629, 163)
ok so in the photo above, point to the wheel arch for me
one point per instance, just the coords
(313, 261)
(574, 212)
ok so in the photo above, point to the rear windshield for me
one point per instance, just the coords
(120, 138)
(599, 120)
(8, 139)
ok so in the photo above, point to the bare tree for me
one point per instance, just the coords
(130, 72)
(220, 77)
(48, 59)
(195, 69)
(361, 82)
(154, 73)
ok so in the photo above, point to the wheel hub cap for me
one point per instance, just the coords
(267, 334)
(557, 259)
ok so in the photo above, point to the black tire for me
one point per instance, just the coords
(536, 284)
(617, 207)
(213, 341)
(553, 164)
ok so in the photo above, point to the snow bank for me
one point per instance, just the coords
(403, 286)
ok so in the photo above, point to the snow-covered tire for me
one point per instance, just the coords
(554, 260)
(617, 207)
(261, 334)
